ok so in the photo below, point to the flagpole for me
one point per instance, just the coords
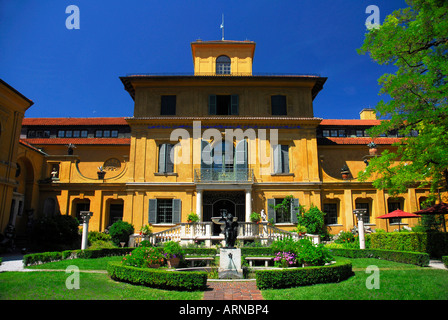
(222, 26)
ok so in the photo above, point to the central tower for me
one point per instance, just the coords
(223, 57)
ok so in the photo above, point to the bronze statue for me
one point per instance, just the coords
(230, 230)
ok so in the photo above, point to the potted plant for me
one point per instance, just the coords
(255, 218)
(372, 148)
(345, 172)
(146, 231)
(301, 230)
(192, 218)
(101, 173)
(173, 253)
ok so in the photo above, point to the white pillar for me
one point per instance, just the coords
(85, 215)
(359, 213)
(199, 203)
(248, 204)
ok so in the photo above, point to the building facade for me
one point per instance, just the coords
(220, 139)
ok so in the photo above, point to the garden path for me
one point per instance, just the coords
(232, 290)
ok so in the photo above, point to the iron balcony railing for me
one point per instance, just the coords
(219, 175)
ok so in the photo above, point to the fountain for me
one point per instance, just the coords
(229, 256)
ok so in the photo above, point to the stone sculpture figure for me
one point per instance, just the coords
(230, 230)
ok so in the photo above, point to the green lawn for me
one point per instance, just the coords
(397, 282)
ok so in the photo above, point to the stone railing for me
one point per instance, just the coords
(189, 233)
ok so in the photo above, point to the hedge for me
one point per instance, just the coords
(200, 251)
(433, 243)
(287, 278)
(445, 261)
(418, 258)
(44, 257)
(155, 278)
(257, 251)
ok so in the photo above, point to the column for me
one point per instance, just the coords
(85, 215)
(199, 203)
(248, 204)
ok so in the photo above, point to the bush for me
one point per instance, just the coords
(120, 231)
(98, 236)
(433, 243)
(171, 280)
(287, 278)
(172, 249)
(285, 245)
(37, 258)
(144, 257)
(313, 221)
(445, 261)
(101, 244)
(55, 234)
(314, 255)
(417, 258)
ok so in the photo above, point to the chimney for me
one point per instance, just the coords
(368, 114)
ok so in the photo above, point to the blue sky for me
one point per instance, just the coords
(75, 73)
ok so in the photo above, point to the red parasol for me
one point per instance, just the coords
(440, 208)
(398, 214)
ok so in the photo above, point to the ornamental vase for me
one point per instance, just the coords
(173, 262)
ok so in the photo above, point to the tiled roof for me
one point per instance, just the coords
(349, 122)
(23, 142)
(74, 121)
(78, 141)
(358, 140)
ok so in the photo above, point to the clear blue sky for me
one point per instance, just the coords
(75, 73)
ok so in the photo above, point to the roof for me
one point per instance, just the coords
(117, 121)
(356, 141)
(78, 141)
(26, 144)
(349, 122)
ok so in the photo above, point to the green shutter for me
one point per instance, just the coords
(241, 155)
(176, 210)
(212, 104)
(169, 165)
(234, 104)
(271, 210)
(162, 157)
(276, 151)
(152, 212)
(285, 159)
(294, 210)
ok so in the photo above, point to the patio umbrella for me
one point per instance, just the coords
(398, 214)
(440, 208)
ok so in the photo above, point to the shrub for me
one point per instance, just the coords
(445, 261)
(55, 233)
(144, 257)
(101, 244)
(171, 280)
(345, 237)
(314, 255)
(44, 257)
(287, 278)
(98, 236)
(313, 221)
(120, 231)
(172, 249)
(417, 258)
(285, 259)
(285, 245)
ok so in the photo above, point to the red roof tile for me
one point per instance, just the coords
(349, 122)
(79, 141)
(358, 140)
(74, 121)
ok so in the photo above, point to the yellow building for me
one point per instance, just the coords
(220, 139)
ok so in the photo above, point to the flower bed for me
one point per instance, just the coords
(294, 277)
(156, 278)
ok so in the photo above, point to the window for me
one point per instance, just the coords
(364, 205)
(46, 134)
(114, 133)
(223, 65)
(326, 133)
(106, 133)
(278, 105)
(392, 206)
(98, 133)
(76, 134)
(283, 210)
(166, 164)
(83, 205)
(223, 104)
(61, 134)
(68, 134)
(164, 211)
(281, 158)
(359, 133)
(331, 210)
(334, 133)
(168, 105)
(341, 133)
(84, 133)
(31, 134)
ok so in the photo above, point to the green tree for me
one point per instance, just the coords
(415, 40)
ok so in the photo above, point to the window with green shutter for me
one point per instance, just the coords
(164, 211)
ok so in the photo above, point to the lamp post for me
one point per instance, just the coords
(85, 215)
(359, 213)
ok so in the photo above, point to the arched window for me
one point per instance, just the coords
(223, 65)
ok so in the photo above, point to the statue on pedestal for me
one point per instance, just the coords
(230, 230)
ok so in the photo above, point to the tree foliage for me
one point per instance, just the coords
(415, 40)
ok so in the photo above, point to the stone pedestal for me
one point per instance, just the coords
(230, 264)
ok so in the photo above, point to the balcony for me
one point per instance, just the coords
(223, 175)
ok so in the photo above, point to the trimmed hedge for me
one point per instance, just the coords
(44, 257)
(445, 261)
(287, 278)
(433, 243)
(161, 279)
(257, 251)
(418, 258)
(200, 251)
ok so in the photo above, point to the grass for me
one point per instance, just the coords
(397, 281)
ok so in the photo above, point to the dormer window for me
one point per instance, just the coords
(223, 65)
